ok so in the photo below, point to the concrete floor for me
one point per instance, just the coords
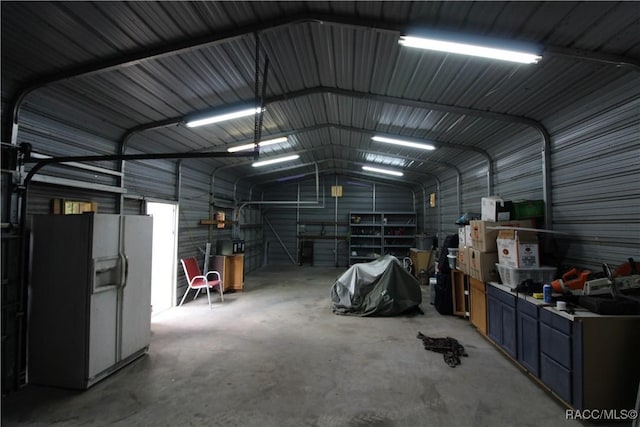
(275, 355)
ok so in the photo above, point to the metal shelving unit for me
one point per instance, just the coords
(373, 234)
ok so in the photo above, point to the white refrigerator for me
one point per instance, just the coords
(89, 296)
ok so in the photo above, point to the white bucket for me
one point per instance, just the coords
(453, 251)
(452, 261)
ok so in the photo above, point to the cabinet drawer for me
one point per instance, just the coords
(556, 377)
(527, 308)
(555, 344)
(501, 295)
(556, 321)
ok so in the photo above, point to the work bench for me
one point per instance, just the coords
(587, 360)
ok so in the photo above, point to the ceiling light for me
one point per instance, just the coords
(385, 171)
(403, 143)
(223, 117)
(470, 49)
(261, 144)
(277, 160)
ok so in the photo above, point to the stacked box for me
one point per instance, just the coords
(528, 209)
(484, 238)
(482, 265)
(462, 263)
(518, 249)
(483, 255)
(462, 237)
(495, 208)
(467, 236)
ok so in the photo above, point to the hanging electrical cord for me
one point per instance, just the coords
(260, 96)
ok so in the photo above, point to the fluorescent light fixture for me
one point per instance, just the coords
(223, 117)
(276, 160)
(385, 171)
(261, 144)
(470, 49)
(403, 143)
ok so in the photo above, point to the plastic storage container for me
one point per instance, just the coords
(513, 276)
(528, 209)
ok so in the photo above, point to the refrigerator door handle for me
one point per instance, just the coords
(94, 280)
(124, 270)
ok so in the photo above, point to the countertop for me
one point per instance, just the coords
(579, 312)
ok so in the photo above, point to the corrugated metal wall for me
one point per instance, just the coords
(595, 158)
(148, 179)
(584, 191)
(329, 219)
(151, 178)
(596, 176)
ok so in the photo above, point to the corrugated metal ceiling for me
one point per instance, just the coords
(336, 76)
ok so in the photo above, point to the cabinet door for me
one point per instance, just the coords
(235, 271)
(509, 329)
(478, 312)
(494, 311)
(528, 342)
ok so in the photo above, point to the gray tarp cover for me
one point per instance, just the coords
(377, 288)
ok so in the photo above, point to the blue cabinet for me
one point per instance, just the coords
(587, 360)
(556, 358)
(501, 309)
(528, 337)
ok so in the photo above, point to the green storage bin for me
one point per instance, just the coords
(528, 209)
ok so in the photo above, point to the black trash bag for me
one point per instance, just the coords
(444, 297)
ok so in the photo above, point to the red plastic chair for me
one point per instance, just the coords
(196, 280)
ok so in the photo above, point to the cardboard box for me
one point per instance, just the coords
(494, 208)
(484, 239)
(468, 240)
(518, 249)
(463, 256)
(462, 237)
(421, 260)
(482, 265)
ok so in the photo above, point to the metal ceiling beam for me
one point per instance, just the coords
(312, 150)
(406, 102)
(379, 179)
(437, 142)
(183, 46)
(39, 163)
(379, 98)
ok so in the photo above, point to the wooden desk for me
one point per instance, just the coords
(231, 269)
